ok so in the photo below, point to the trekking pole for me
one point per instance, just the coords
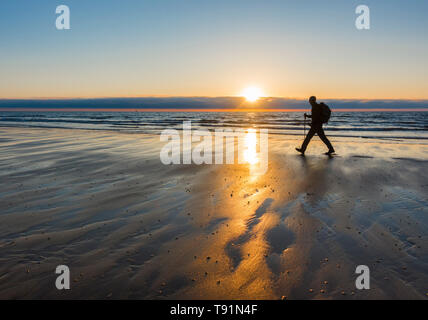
(304, 127)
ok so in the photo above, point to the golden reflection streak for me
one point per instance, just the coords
(250, 152)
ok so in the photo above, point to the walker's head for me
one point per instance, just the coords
(312, 99)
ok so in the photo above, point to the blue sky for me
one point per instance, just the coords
(213, 48)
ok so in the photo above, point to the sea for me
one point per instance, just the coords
(396, 126)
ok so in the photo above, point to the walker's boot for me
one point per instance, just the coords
(329, 152)
(301, 151)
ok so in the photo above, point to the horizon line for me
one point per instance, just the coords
(205, 110)
(205, 97)
(227, 104)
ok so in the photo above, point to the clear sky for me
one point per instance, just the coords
(214, 48)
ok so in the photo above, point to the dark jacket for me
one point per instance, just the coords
(316, 114)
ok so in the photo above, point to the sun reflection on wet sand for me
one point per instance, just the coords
(231, 260)
(250, 153)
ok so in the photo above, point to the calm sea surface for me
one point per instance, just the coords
(379, 125)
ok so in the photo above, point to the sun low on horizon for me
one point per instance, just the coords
(252, 94)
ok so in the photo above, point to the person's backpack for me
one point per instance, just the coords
(325, 112)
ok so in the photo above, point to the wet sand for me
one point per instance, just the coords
(129, 227)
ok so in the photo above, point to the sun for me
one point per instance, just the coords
(252, 94)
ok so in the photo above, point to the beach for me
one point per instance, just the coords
(129, 227)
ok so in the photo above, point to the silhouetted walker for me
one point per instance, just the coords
(318, 118)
